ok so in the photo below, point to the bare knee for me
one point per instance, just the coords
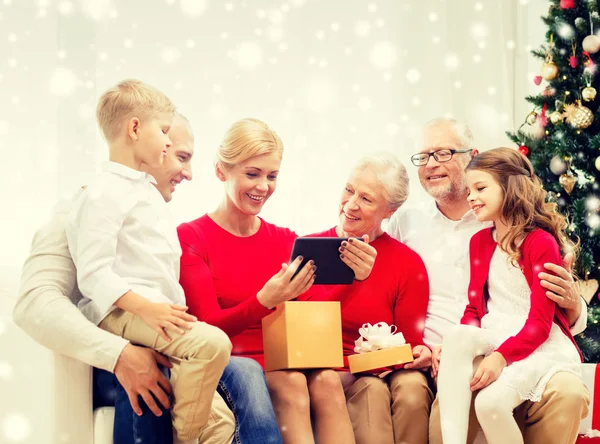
(325, 389)
(288, 390)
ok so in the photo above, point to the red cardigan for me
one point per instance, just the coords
(538, 248)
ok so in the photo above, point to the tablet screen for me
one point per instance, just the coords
(331, 270)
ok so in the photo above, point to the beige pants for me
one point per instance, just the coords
(553, 420)
(392, 410)
(200, 356)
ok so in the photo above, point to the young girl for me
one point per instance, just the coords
(523, 335)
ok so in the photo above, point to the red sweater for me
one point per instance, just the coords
(396, 292)
(538, 248)
(221, 275)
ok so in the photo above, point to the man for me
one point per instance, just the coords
(440, 231)
(124, 372)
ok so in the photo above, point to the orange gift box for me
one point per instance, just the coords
(302, 335)
(387, 357)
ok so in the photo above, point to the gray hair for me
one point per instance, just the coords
(390, 173)
(462, 130)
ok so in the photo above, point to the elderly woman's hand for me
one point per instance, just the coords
(422, 356)
(359, 256)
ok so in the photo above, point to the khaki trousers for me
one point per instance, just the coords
(390, 410)
(553, 420)
(199, 355)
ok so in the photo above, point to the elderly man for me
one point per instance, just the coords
(124, 372)
(440, 230)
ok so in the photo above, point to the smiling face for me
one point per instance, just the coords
(177, 165)
(485, 195)
(445, 180)
(363, 205)
(250, 183)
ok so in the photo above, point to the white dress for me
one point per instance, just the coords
(508, 307)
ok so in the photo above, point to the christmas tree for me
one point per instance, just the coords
(561, 137)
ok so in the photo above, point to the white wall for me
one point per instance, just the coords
(336, 79)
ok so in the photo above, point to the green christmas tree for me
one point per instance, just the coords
(561, 137)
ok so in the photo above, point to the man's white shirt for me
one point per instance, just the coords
(121, 238)
(443, 244)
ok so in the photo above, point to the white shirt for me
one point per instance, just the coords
(121, 238)
(443, 244)
(46, 308)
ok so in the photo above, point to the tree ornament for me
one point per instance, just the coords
(579, 116)
(549, 69)
(558, 166)
(531, 118)
(591, 43)
(567, 181)
(537, 80)
(523, 149)
(567, 4)
(556, 117)
(573, 58)
(597, 163)
(588, 93)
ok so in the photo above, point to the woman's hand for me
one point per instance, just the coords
(488, 371)
(282, 287)
(435, 361)
(422, 356)
(359, 256)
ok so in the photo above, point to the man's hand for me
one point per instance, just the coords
(435, 361)
(488, 371)
(562, 288)
(422, 356)
(137, 371)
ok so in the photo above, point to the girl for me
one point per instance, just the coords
(523, 335)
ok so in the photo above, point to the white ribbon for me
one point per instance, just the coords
(377, 337)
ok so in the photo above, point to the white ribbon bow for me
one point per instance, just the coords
(377, 337)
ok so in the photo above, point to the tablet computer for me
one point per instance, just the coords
(331, 270)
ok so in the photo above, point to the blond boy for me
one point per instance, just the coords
(127, 253)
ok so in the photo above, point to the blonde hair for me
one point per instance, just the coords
(391, 174)
(130, 98)
(524, 207)
(247, 138)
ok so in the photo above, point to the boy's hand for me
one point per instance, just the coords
(435, 361)
(488, 371)
(161, 316)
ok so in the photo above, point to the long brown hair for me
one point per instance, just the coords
(524, 207)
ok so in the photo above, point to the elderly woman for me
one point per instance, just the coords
(397, 292)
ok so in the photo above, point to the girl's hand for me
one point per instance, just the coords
(435, 361)
(359, 256)
(282, 287)
(166, 316)
(488, 371)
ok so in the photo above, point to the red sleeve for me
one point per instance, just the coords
(541, 249)
(200, 293)
(412, 300)
(471, 317)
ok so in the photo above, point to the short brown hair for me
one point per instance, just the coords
(130, 98)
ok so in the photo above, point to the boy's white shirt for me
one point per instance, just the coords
(443, 244)
(121, 238)
(47, 305)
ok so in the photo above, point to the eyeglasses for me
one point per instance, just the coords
(440, 156)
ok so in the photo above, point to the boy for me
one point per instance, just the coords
(127, 253)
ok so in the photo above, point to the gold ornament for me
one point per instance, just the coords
(549, 70)
(588, 93)
(578, 116)
(597, 163)
(531, 117)
(567, 181)
(591, 44)
(556, 117)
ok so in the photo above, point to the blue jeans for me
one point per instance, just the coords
(242, 386)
